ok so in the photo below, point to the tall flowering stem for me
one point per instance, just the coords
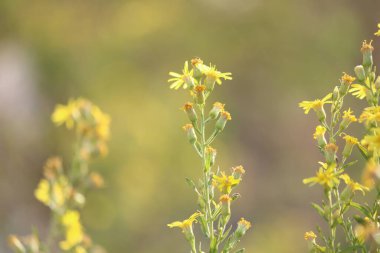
(355, 221)
(214, 208)
(62, 189)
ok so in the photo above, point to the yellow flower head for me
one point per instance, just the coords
(225, 198)
(347, 115)
(225, 183)
(373, 141)
(359, 91)
(102, 123)
(326, 176)
(197, 63)
(378, 32)
(216, 75)
(354, 186)
(188, 106)
(350, 139)
(219, 106)
(238, 169)
(310, 236)
(184, 80)
(370, 114)
(53, 194)
(73, 230)
(185, 224)
(371, 174)
(319, 132)
(316, 104)
(347, 79)
(367, 47)
(226, 115)
(188, 127)
(244, 224)
(66, 114)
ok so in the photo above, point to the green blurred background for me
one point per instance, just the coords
(118, 54)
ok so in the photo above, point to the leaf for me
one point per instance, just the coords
(363, 151)
(352, 248)
(319, 209)
(226, 234)
(349, 164)
(240, 251)
(364, 210)
(192, 185)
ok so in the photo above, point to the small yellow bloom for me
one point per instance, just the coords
(370, 114)
(347, 115)
(52, 194)
(350, 139)
(102, 123)
(225, 198)
(359, 91)
(319, 132)
(215, 76)
(326, 176)
(73, 230)
(225, 183)
(316, 104)
(373, 141)
(310, 236)
(185, 80)
(65, 114)
(347, 79)
(378, 32)
(367, 47)
(185, 224)
(371, 174)
(354, 186)
(244, 224)
(238, 169)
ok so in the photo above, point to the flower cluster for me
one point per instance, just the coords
(214, 209)
(63, 189)
(362, 230)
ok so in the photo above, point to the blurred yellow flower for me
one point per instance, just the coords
(225, 183)
(326, 176)
(378, 32)
(316, 104)
(354, 186)
(185, 224)
(73, 230)
(64, 114)
(103, 122)
(52, 194)
(319, 132)
(370, 114)
(310, 235)
(359, 91)
(215, 76)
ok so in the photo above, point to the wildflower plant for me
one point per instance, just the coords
(63, 188)
(215, 189)
(353, 224)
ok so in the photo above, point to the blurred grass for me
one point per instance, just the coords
(118, 53)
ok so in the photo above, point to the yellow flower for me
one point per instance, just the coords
(354, 186)
(350, 139)
(378, 32)
(316, 104)
(347, 79)
(73, 230)
(225, 183)
(102, 122)
(326, 176)
(185, 224)
(80, 249)
(310, 236)
(370, 114)
(347, 115)
(185, 80)
(52, 194)
(373, 141)
(319, 132)
(370, 174)
(359, 91)
(213, 75)
(65, 114)
(367, 47)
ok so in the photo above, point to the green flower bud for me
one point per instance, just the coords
(319, 135)
(216, 109)
(377, 83)
(242, 228)
(197, 63)
(15, 244)
(221, 122)
(350, 143)
(367, 50)
(360, 73)
(345, 81)
(210, 156)
(330, 152)
(200, 94)
(191, 135)
(335, 94)
(191, 114)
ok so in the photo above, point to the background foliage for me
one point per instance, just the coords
(118, 53)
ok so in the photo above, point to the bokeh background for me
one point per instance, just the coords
(118, 54)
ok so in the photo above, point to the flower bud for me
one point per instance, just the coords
(330, 152)
(319, 135)
(191, 135)
(216, 109)
(210, 156)
(221, 122)
(96, 180)
(225, 201)
(345, 81)
(238, 171)
(350, 143)
(53, 168)
(242, 228)
(191, 114)
(200, 94)
(335, 94)
(197, 63)
(189, 80)
(367, 50)
(377, 83)
(347, 119)
(360, 73)
(15, 244)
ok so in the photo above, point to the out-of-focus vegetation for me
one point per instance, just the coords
(117, 54)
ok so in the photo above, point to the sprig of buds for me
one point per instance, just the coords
(214, 209)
